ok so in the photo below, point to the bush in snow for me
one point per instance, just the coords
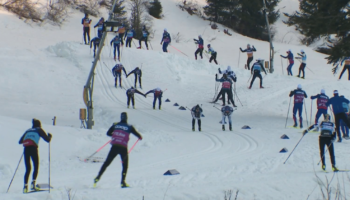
(155, 9)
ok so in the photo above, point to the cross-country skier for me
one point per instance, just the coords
(117, 72)
(213, 54)
(129, 35)
(200, 43)
(130, 95)
(346, 67)
(30, 140)
(120, 133)
(256, 68)
(321, 105)
(166, 40)
(196, 112)
(225, 88)
(226, 112)
(249, 51)
(231, 75)
(121, 32)
(158, 93)
(96, 42)
(326, 138)
(100, 28)
(138, 74)
(290, 58)
(339, 114)
(144, 37)
(299, 96)
(86, 22)
(343, 126)
(303, 63)
(116, 44)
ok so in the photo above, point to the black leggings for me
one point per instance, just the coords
(121, 35)
(302, 69)
(256, 74)
(115, 150)
(143, 39)
(159, 101)
(136, 80)
(31, 153)
(200, 51)
(128, 41)
(326, 141)
(346, 67)
(338, 117)
(131, 97)
(118, 75)
(86, 32)
(248, 62)
(213, 57)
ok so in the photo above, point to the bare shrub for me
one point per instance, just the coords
(177, 38)
(24, 9)
(56, 12)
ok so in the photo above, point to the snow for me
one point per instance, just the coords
(43, 71)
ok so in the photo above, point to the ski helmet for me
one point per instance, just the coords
(335, 92)
(157, 89)
(299, 86)
(302, 51)
(289, 51)
(123, 116)
(323, 91)
(248, 45)
(165, 30)
(208, 45)
(199, 36)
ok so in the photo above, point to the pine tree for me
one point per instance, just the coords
(118, 12)
(324, 18)
(137, 8)
(155, 9)
(245, 17)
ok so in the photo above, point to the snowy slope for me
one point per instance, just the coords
(42, 75)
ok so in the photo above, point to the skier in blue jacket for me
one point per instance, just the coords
(321, 104)
(290, 58)
(116, 44)
(158, 93)
(339, 114)
(213, 54)
(100, 28)
(117, 72)
(166, 40)
(256, 68)
(199, 50)
(129, 35)
(299, 96)
(96, 42)
(144, 37)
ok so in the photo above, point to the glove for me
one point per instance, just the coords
(160, 43)
(140, 138)
(304, 132)
(281, 55)
(216, 75)
(50, 135)
(240, 48)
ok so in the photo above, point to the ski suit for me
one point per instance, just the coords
(166, 40)
(231, 75)
(121, 32)
(138, 73)
(290, 58)
(30, 140)
(226, 112)
(116, 44)
(120, 133)
(256, 68)
(339, 114)
(117, 72)
(158, 93)
(129, 35)
(96, 42)
(199, 50)
(343, 126)
(321, 105)
(144, 37)
(249, 54)
(326, 138)
(302, 65)
(130, 95)
(86, 22)
(196, 112)
(225, 88)
(100, 28)
(213, 55)
(299, 96)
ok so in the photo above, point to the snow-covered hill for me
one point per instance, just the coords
(43, 71)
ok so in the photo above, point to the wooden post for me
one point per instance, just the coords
(54, 121)
(267, 66)
(82, 117)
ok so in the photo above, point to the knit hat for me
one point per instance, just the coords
(157, 89)
(123, 116)
(299, 86)
(36, 123)
(323, 91)
(335, 92)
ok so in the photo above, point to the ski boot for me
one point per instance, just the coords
(115, 85)
(261, 87)
(193, 129)
(115, 58)
(25, 189)
(334, 168)
(147, 48)
(324, 167)
(295, 125)
(124, 184)
(298, 76)
(301, 126)
(154, 108)
(133, 107)
(160, 107)
(230, 127)
(128, 106)
(223, 127)
(250, 87)
(33, 186)
(339, 140)
(118, 58)
(196, 57)
(199, 129)
(95, 181)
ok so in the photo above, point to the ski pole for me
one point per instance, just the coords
(282, 66)
(216, 107)
(250, 77)
(311, 112)
(49, 167)
(178, 50)
(134, 44)
(150, 44)
(239, 57)
(288, 112)
(239, 99)
(86, 159)
(307, 123)
(15, 172)
(234, 90)
(324, 154)
(130, 150)
(293, 149)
